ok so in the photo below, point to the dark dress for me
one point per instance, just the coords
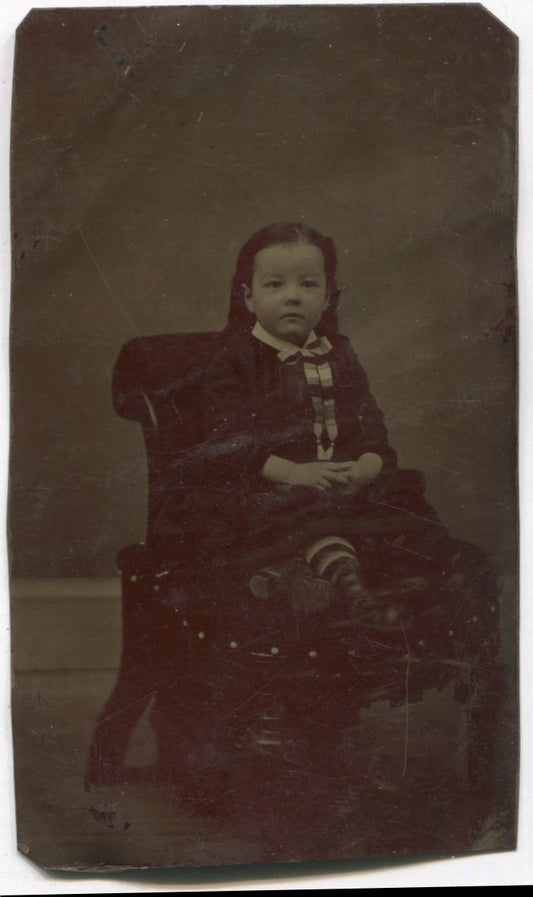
(255, 406)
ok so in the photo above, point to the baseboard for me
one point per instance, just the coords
(66, 587)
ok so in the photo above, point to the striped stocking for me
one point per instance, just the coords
(327, 556)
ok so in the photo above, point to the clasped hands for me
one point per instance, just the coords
(352, 475)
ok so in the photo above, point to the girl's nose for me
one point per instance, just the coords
(293, 295)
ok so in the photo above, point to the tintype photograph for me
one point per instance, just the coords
(262, 503)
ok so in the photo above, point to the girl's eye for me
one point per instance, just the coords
(309, 284)
(273, 283)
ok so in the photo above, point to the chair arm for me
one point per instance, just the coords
(140, 562)
(136, 559)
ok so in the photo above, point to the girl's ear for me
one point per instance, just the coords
(247, 296)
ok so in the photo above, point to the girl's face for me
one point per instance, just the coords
(288, 294)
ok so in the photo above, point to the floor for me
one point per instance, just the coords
(66, 641)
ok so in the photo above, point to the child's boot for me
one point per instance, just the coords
(353, 594)
(293, 582)
(383, 609)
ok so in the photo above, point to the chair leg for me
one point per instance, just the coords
(136, 682)
(116, 722)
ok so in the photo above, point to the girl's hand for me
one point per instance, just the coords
(320, 474)
(363, 471)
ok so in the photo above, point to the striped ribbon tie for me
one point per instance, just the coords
(320, 381)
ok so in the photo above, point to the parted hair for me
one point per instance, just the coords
(239, 318)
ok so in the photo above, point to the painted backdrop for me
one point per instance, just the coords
(148, 143)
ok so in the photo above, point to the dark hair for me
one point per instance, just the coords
(240, 319)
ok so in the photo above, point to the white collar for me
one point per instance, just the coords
(281, 345)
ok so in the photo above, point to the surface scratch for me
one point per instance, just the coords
(107, 284)
(406, 717)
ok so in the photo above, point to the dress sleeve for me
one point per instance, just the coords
(237, 444)
(370, 424)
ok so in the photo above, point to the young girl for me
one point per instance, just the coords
(301, 472)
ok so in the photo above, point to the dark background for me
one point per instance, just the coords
(148, 144)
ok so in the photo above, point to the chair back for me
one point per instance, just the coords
(157, 381)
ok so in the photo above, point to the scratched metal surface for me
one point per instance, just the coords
(147, 145)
